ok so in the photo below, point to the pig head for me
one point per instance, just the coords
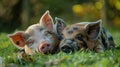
(42, 37)
(86, 35)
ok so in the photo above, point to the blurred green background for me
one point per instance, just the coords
(19, 14)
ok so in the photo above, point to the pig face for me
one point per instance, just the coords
(86, 35)
(40, 38)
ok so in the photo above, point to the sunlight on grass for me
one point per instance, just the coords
(109, 58)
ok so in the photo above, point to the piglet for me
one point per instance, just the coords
(42, 37)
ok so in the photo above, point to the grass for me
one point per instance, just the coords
(109, 58)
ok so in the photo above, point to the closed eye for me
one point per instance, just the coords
(30, 40)
(47, 33)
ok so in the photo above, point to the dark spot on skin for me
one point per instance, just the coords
(104, 31)
(79, 37)
(75, 28)
(84, 44)
(104, 41)
(110, 38)
(70, 32)
(18, 43)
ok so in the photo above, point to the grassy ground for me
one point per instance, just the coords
(109, 58)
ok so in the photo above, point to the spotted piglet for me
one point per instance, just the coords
(42, 37)
(86, 35)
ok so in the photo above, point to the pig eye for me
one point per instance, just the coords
(79, 37)
(47, 33)
(30, 41)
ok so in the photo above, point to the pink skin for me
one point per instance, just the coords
(41, 37)
(36, 36)
(44, 47)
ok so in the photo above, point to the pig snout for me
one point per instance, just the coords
(44, 47)
(67, 49)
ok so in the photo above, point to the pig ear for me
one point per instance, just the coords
(59, 26)
(17, 39)
(93, 29)
(46, 21)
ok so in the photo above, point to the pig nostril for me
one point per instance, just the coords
(45, 46)
(63, 48)
(66, 49)
(42, 48)
(48, 45)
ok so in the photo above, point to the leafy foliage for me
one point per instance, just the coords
(22, 13)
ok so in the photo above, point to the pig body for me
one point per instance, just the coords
(86, 35)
